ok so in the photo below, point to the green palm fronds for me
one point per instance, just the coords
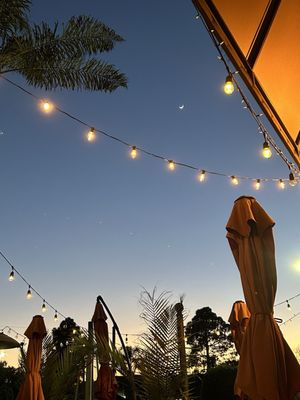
(159, 363)
(63, 56)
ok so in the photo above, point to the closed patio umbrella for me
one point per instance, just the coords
(268, 370)
(31, 389)
(106, 384)
(238, 320)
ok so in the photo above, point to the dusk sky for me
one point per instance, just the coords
(81, 219)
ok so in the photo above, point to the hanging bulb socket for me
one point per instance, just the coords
(44, 308)
(257, 184)
(266, 151)
(171, 165)
(55, 316)
(292, 180)
(11, 276)
(91, 135)
(29, 294)
(281, 184)
(202, 176)
(234, 180)
(228, 85)
(133, 152)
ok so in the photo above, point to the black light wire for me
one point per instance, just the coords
(142, 150)
(31, 287)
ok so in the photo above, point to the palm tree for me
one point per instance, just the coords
(62, 56)
(159, 363)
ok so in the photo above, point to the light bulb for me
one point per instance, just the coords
(74, 331)
(44, 308)
(266, 151)
(29, 294)
(201, 176)
(11, 276)
(228, 86)
(171, 165)
(55, 316)
(257, 184)
(46, 106)
(133, 152)
(234, 180)
(292, 180)
(281, 184)
(91, 135)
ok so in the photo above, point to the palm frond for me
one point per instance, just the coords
(51, 57)
(159, 362)
(75, 74)
(13, 16)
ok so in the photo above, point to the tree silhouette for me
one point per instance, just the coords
(65, 334)
(209, 337)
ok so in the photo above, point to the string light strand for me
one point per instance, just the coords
(147, 152)
(45, 302)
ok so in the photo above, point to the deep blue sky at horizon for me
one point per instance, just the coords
(81, 219)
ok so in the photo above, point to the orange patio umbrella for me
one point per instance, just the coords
(268, 370)
(31, 389)
(238, 319)
(106, 384)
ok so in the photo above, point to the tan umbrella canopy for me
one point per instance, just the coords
(268, 370)
(31, 389)
(7, 342)
(105, 385)
(238, 319)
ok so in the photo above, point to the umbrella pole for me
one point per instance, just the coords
(114, 345)
(100, 300)
(89, 368)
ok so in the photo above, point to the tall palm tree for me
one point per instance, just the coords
(62, 56)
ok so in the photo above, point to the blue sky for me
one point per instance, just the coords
(81, 219)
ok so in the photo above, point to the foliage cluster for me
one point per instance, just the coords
(62, 56)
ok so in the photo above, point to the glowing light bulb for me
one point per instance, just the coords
(133, 152)
(228, 86)
(281, 184)
(11, 276)
(234, 180)
(44, 308)
(46, 106)
(266, 151)
(29, 294)
(55, 316)
(171, 165)
(202, 176)
(91, 135)
(257, 184)
(292, 180)
(74, 331)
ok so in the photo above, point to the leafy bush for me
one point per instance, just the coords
(218, 383)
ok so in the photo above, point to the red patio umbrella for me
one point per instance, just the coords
(31, 389)
(268, 370)
(106, 384)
